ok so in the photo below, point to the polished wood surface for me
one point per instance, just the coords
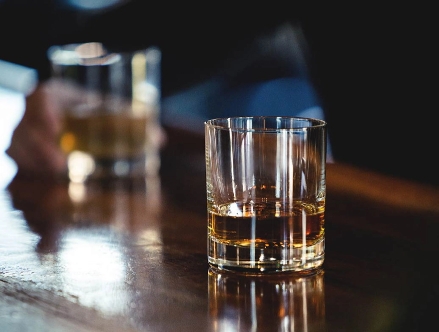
(132, 257)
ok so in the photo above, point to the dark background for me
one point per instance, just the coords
(371, 66)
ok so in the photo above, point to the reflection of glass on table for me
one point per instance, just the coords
(76, 236)
(241, 303)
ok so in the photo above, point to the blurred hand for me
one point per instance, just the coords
(34, 145)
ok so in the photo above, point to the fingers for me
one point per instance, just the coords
(34, 141)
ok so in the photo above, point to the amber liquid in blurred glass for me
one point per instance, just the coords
(267, 236)
(105, 135)
(104, 143)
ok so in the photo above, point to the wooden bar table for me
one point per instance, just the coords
(132, 257)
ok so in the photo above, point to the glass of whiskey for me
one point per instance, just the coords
(110, 110)
(266, 193)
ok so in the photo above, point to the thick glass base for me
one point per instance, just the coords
(303, 260)
(83, 167)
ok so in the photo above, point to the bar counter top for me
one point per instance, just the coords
(132, 257)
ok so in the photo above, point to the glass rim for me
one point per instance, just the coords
(223, 123)
(82, 54)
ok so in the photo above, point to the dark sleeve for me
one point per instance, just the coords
(196, 40)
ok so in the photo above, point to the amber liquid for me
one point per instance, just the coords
(105, 135)
(110, 141)
(267, 236)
